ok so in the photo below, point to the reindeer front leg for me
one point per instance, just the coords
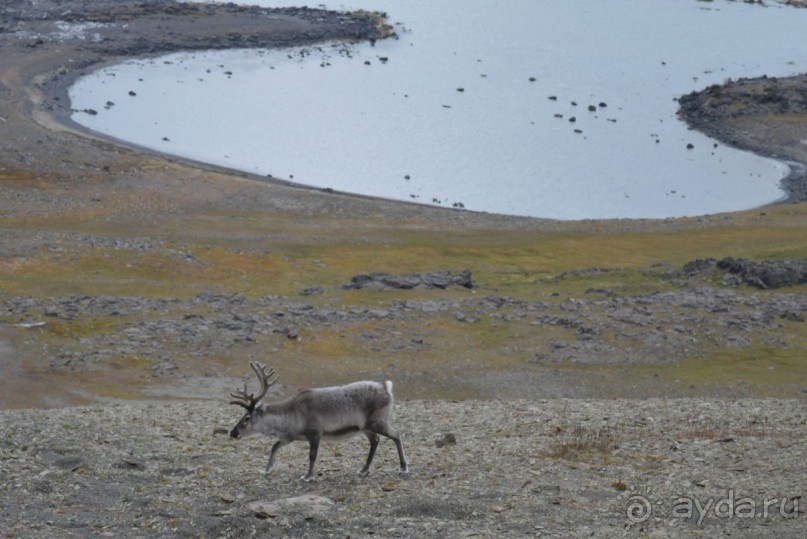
(271, 463)
(313, 447)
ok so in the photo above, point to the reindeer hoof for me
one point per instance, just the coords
(404, 474)
(364, 473)
(306, 479)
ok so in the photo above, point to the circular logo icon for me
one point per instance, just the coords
(638, 509)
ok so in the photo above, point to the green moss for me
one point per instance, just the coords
(277, 253)
(762, 368)
(517, 263)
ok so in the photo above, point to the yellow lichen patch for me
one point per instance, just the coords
(81, 327)
(15, 177)
(130, 362)
(249, 272)
(791, 118)
(379, 19)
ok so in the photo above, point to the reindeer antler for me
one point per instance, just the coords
(249, 401)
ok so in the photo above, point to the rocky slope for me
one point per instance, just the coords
(177, 343)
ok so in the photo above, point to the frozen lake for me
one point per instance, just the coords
(561, 109)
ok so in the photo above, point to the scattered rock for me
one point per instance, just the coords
(765, 275)
(70, 463)
(446, 439)
(604, 291)
(128, 463)
(698, 266)
(305, 507)
(440, 280)
(314, 291)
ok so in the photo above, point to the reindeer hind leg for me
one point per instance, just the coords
(385, 429)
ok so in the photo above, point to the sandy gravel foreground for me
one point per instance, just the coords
(538, 468)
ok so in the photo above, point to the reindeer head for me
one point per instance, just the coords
(250, 402)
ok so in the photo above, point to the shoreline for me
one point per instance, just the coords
(793, 184)
(39, 72)
(759, 115)
(55, 85)
(53, 78)
(62, 116)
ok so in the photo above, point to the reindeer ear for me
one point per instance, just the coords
(259, 406)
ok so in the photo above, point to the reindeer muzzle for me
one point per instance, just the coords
(235, 434)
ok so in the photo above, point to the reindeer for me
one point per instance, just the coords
(314, 414)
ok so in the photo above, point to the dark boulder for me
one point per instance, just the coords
(439, 279)
(764, 275)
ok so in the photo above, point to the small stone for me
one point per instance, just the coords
(391, 486)
(72, 463)
(305, 506)
(447, 439)
(130, 463)
(290, 333)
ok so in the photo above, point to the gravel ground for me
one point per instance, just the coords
(537, 468)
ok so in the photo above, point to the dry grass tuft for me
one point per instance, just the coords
(584, 443)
